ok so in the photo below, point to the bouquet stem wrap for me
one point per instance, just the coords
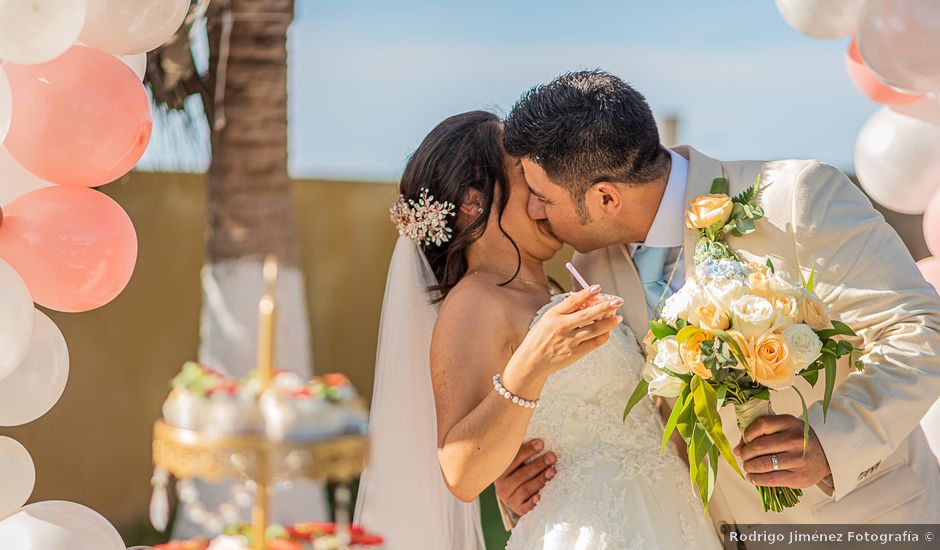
(772, 498)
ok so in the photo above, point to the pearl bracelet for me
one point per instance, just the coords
(512, 397)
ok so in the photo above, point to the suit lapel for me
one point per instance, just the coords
(702, 171)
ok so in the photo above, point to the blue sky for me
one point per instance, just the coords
(368, 79)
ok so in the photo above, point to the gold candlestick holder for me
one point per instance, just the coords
(212, 457)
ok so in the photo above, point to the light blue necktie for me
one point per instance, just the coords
(650, 264)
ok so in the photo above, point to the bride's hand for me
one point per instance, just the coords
(569, 331)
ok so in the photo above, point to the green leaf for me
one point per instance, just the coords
(712, 474)
(811, 376)
(687, 332)
(805, 420)
(770, 265)
(748, 195)
(838, 329)
(706, 410)
(812, 279)
(661, 330)
(829, 362)
(671, 423)
(699, 446)
(729, 341)
(639, 392)
(720, 186)
(686, 419)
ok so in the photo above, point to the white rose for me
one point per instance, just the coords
(667, 356)
(722, 292)
(661, 383)
(804, 345)
(782, 284)
(680, 304)
(752, 315)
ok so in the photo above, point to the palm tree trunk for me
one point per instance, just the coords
(250, 214)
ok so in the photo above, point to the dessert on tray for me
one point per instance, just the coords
(303, 536)
(290, 409)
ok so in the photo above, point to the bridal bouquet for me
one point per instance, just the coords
(731, 335)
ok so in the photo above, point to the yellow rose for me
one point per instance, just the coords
(710, 317)
(691, 354)
(772, 365)
(787, 310)
(814, 311)
(707, 210)
(746, 346)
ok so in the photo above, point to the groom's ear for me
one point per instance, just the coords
(608, 196)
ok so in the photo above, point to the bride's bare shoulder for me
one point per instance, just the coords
(474, 302)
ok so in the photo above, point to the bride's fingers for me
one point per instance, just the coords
(575, 300)
(593, 313)
(604, 326)
(588, 346)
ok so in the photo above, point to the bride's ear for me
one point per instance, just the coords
(472, 204)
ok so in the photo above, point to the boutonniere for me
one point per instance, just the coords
(717, 214)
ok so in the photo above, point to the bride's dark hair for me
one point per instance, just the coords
(461, 153)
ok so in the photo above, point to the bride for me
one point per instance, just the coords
(476, 356)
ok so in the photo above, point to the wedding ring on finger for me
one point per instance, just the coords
(774, 462)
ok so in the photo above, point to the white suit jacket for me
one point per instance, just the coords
(882, 469)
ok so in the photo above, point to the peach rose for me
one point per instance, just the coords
(787, 311)
(710, 317)
(745, 344)
(649, 344)
(814, 311)
(691, 353)
(758, 284)
(772, 364)
(707, 210)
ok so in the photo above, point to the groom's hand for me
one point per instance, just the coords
(782, 435)
(519, 487)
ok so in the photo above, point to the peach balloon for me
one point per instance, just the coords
(74, 247)
(868, 83)
(82, 119)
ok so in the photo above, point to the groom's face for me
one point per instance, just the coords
(554, 207)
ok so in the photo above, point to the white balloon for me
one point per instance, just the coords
(137, 63)
(16, 180)
(132, 26)
(16, 319)
(6, 104)
(58, 525)
(17, 477)
(896, 155)
(36, 31)
(36, 385)
(899, 40)
(821, 18)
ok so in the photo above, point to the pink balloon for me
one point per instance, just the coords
(932, 225)
(868, 83)
(76, 248)
(930, 269)
(81, 119)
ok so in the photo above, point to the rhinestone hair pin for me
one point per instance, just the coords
(424, 221)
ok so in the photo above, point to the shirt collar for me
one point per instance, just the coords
(668, 226)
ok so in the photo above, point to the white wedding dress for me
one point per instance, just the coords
(613, 490)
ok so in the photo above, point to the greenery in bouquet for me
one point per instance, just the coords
(735, 332)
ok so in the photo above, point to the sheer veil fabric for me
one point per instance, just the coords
(402, 494)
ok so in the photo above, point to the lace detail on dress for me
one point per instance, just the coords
(613, 489)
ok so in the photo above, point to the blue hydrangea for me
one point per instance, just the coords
(721, 269)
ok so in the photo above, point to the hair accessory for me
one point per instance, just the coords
(424, 221)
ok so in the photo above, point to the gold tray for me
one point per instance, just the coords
(188, 453)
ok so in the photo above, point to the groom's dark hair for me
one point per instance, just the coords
(586, 127)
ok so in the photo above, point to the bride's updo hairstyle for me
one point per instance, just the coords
(461, 153)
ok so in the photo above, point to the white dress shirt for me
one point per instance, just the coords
(668, 228)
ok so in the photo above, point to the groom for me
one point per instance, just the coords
(601, 181)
